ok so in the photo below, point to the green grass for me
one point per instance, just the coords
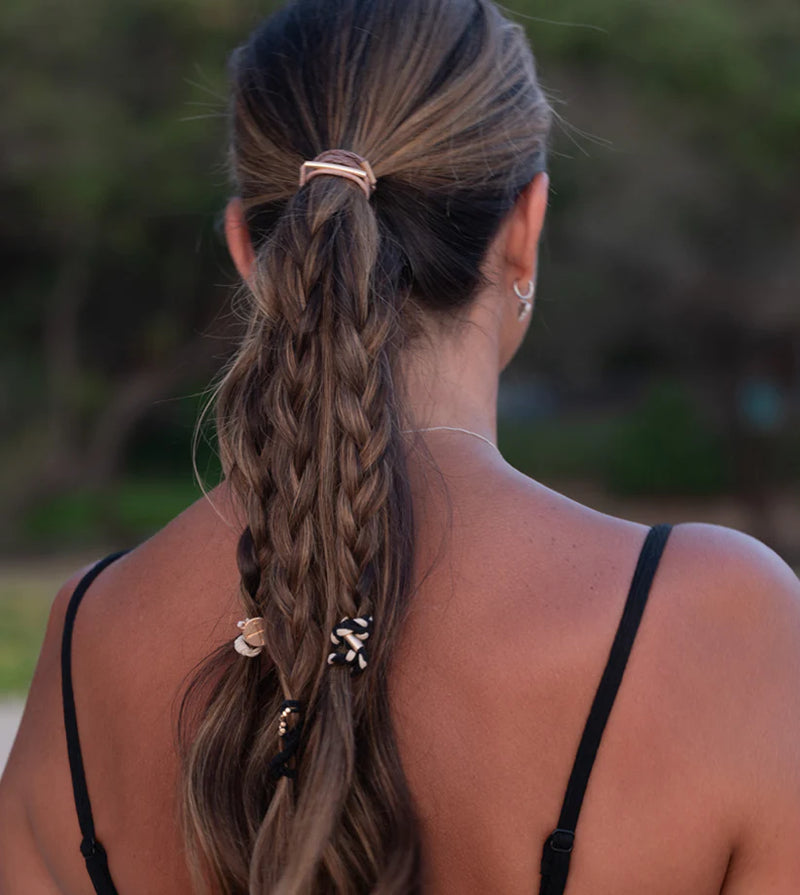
(25, 598)
(85, 523)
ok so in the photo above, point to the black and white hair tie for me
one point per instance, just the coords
(349, 638)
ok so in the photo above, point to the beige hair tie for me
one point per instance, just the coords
(251, 641)
(340, 163)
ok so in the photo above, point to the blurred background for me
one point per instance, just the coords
(661, 380)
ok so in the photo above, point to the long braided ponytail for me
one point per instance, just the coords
(309, 415)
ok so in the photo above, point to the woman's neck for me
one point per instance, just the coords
(453, 381)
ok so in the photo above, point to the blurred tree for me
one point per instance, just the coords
(675, 212)
(112, 179)
(675, 233)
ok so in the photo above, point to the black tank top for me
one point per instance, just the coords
(559, 844)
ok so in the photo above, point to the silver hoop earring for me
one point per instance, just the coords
(526, 299)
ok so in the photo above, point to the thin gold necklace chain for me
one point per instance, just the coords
(453, 429)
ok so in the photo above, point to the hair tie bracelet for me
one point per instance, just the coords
(340, 163)
(251, 641)
(348, 637)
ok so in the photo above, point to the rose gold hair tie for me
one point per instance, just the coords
(340, 163)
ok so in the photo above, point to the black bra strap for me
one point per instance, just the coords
(558, 848)
(92, 850)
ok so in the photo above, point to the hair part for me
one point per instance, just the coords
(441, 97)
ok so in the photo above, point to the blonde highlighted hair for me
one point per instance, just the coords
(441, 97)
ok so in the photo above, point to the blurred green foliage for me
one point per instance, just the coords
(559, 449)
(661, 446)
(666, 447)
(121, 514)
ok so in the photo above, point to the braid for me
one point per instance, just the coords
(447, 110)
(315, 460)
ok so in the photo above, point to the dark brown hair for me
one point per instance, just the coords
(441, 97)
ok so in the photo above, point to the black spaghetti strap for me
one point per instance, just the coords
(558, 847)
(91, 849)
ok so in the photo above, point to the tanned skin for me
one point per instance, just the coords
(696, 787)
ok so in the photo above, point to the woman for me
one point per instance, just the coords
(384, 642)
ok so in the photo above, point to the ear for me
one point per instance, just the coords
(238, 237)
(524, 231)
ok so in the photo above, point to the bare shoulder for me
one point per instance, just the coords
(726, 554)
(33, 781)
(42, 721)
(128, 667)
(748, 599)
(748, 593)
(44, 691)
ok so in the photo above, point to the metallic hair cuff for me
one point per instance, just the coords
(340, 163)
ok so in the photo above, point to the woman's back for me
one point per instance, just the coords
(500, 658)
(425, 628)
